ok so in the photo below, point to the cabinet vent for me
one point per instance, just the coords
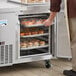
(6, 54)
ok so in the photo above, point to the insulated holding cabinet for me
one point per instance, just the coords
(23, 37)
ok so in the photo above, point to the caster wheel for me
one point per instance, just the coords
(47, 64)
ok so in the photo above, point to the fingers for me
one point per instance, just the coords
(46, 23)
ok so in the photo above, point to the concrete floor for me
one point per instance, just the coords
(37, 69)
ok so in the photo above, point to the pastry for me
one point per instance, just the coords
(22, 34)
(34, 32)
(36, 43)
(30, 1)
(42, 43)
(23, 44)
(29, 33)
(22, 22)
(38, 22)
(30, 44)
(40, 31)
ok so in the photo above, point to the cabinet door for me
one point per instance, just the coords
(63, 46)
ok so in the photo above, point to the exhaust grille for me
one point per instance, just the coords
(2, 54)
(6, 54)
(10, 53)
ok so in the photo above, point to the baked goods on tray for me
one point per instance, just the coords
(32, 43)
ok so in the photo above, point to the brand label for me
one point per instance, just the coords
(3, 22)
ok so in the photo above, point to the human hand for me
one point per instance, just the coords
(48, 22)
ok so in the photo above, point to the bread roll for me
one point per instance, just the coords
(23, 44)
(41, 32)
(22, 34)
(36, 43)
(30, 44)
(42, 43)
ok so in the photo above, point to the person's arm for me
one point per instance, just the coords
(54, 8)
(49, 21)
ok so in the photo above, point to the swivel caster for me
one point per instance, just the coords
(47, 64)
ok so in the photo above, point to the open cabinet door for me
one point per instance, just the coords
(63, 38)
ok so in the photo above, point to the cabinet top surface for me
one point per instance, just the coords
(7, 5)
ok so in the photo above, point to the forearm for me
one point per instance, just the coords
(52, 16)
(54, 8)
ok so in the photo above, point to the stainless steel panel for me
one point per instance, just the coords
(63, 48)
